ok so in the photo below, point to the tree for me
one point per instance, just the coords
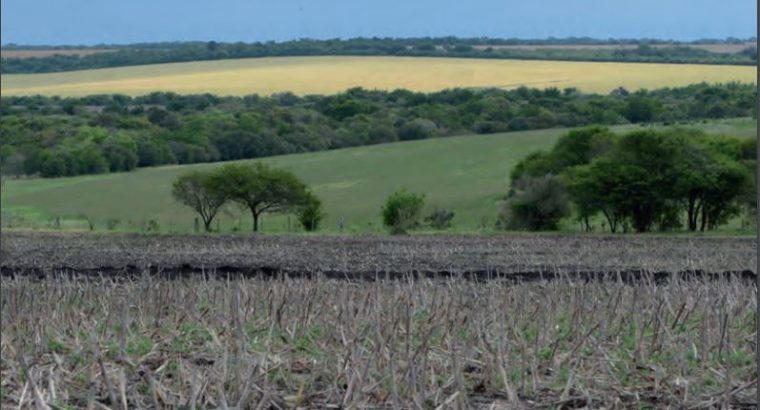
(595, 188)
(119, 157)
(260, 188)
(200, 192)
(402, 211)
(310, 213)
(641, 109)
(647, 170)
(581, 146)
(417, 129)
(536, 164)
(536, 203)
(720, 199)
(51, 164)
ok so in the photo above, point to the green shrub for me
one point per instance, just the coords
(440, 218)
(310, 214)
(402, 211)
(537, 204)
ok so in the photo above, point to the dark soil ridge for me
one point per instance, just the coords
(270, 272)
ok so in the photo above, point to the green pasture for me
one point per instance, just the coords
(467, 174)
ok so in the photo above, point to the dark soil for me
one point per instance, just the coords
(516, 257)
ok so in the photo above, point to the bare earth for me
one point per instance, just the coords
(366, 256)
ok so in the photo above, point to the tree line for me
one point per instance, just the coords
(156, 53)
(53, 136)
(640, 181)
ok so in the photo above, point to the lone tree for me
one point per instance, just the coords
(198, 191)
(260, 189)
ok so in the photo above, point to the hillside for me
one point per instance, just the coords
(468, 174)
(327, 75)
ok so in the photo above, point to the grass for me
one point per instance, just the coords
(326, 75)
(467, 174)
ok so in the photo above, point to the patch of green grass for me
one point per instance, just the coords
(54, 345)
(140, 346)
(195, 333)
(467, 174)
(61, 405)
(739, 358)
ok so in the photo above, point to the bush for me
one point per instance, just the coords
(440, 218)
(537, 203)
(310, 214)
(402, 211)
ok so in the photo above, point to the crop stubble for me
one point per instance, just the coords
(145, 342)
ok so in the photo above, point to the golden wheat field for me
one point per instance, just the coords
(326, 75)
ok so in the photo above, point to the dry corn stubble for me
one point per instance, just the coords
(85, 342)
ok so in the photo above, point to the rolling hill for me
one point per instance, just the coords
(468, 174)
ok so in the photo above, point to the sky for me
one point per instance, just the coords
(89, 22)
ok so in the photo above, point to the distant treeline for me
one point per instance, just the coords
(53, 136)
(155, 53)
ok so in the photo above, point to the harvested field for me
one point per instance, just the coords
(368, 256)
(245, 343)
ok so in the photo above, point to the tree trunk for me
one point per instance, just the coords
(207, 225)
(691, 215)
(255, 221)
(704, 219)
(611, 220)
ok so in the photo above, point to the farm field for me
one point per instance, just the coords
(196, 342)
(31, 53)
(364, 256)
(467, 174)
(327, 75)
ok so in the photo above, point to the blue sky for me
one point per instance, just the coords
(129, 21)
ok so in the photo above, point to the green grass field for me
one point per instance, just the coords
(468, 174)
(328, 75)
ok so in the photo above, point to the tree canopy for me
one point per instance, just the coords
(53, 136)
(260, 188)
(256, 187)
(649, 179)
(198, 191)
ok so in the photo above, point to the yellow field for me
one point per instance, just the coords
(327, 75)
